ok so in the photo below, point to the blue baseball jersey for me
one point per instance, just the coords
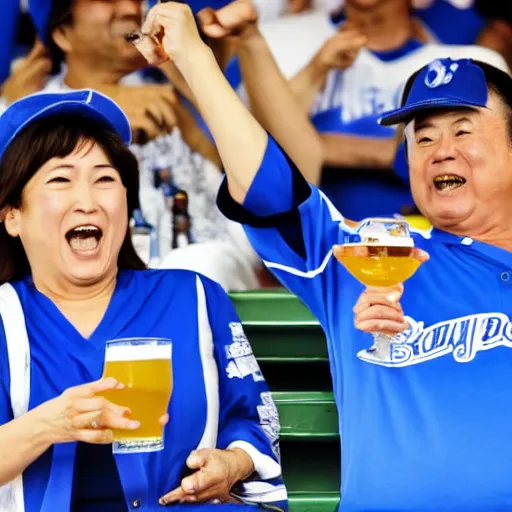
(219, 400)
(450, 24)
(426, 428)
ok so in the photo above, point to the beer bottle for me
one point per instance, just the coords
(181, 236)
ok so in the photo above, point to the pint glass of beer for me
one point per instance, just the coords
(379, 253)
(144, 366)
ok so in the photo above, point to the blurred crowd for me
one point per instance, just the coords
(345, 62)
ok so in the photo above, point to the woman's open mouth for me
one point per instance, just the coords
(448, 182)
(84, 238)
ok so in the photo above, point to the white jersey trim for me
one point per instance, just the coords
(210, 371)
(265, 466)
(310, 274)
(263, 492)
(18, 348)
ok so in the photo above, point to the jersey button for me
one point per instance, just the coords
(505, 276)
(136, 504)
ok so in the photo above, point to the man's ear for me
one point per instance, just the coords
(11, 218)
(61, 37)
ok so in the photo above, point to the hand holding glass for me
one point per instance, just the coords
(144, 366)
(380, 253)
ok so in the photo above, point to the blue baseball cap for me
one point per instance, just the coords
(196, 5)
(444, 83)
(40, 12)
(83, 103)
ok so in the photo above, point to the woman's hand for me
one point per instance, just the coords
(217, 471)
(80, 414)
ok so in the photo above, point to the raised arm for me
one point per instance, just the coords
(240, 139)
(270, 96)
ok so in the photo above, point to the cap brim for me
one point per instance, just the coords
(104, 111)
(405, 114)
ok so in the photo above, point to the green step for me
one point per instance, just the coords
(307, 416)
(311, 502)
(312, 476)
(271, 308)
(279, 326)
(287, 344)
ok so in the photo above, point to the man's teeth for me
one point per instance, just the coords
(448, 181)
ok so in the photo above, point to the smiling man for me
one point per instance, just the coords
(425, 427)
(458, 135)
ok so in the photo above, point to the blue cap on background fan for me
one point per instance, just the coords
(197, 5)
(444, 83)
(84, 103)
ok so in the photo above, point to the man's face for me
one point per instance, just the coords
(461, 166)
(98, 32)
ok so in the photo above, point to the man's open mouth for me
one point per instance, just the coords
(84, 238)
(448, 182)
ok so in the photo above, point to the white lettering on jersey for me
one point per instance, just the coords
(461, 337)
(269, 421)
(243, 362)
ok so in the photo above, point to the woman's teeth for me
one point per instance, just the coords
(84, 238)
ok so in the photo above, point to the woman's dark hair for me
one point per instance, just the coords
(497, 81)
(56, 137)
(61, 14)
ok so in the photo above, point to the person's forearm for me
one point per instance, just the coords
(352, 151)
(195, 137)
(307, 84)
(175, 77)
(275, 107)
(240, 139)
(22, 441)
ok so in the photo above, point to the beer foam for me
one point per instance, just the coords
(137, 352)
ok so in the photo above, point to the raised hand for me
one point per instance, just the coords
(150, 108)
(233, 19)
(29, 75)
(340, 51)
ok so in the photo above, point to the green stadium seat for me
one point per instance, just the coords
(291, 349)
(312, 475)
(271, 308)
(280, 327)
(307, 416)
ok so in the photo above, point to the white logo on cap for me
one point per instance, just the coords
(437, 74)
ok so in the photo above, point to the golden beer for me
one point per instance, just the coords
(377, 265)
(145, 369)
(379, 253)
